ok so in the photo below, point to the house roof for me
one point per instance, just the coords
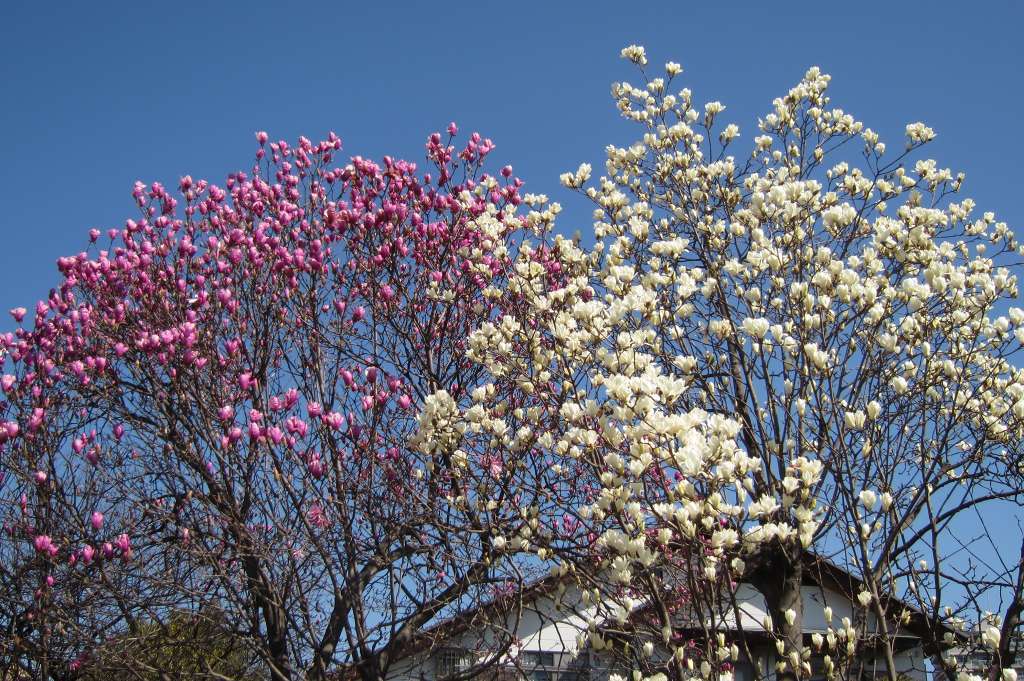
(465, 620)
(438, 632)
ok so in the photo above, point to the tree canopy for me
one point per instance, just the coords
(335, 403)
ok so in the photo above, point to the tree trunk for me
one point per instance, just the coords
(778, 575)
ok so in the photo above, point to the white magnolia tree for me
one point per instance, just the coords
(793, 349)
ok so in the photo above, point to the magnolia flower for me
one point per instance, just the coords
(854, 420)
(868, 499)
(578, 178)
(991, 637)
(757, 328)
(124, 545)
(43, 543)
(635, 54)
(919, 133)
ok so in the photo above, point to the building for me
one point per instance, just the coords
(547, 629)
(973, 658)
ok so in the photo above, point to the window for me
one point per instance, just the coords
(538, 665)
(532, 658)
(448, 661)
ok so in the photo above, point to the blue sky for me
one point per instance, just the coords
(94, 96)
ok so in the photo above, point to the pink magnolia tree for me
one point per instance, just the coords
(219, 407)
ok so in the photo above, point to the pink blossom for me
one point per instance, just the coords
(296, 426)
(19, 314)
(8, 430)
(43, 543)
(291, 398)
(96, 520)
(124, 545)
(317, 517)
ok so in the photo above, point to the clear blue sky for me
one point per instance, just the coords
(96, 95)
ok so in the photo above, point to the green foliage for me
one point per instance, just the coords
(185, 645)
